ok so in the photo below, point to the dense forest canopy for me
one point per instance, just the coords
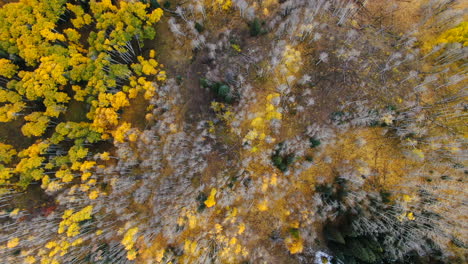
(233, 131)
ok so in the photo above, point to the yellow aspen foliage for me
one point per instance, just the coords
(131, 254)
(224, 4)
(218, 228)
(262, 205)
(120, 133)
(190, 247)
(5, 175)
(53, 186)
(274, 179)
(6, 153)
(192, 220)
(36, 126)
(406, 198)
(9, 112)
(458, 34)
(236, 47)
(79, 93)
(14, 212)
(30, 260)
(161, 76)
(93, 195)
(81, 19)
(104, 118)
(65, 175)
(210, 202)
(9, 96)
(129, 238)
(72, 34)
(7, 68)
(418, 153)
(45, 182)
(104, 156)
(48, 34)
(87, 165)
(294, 245)
(73, 230)
(77, 242)
(155, 16)
(133, 137)
(70, 221)
(241, 229)
(13, 242)
(292, 59)
(119, 100)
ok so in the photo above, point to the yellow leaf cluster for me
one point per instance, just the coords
(70, 221)
(294, 245)
(13, 242)
(210, 202)
(129, 238)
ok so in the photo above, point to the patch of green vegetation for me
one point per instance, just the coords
(282, 161)
(201, 198)
(221, 90)
(256, 27)
(314, 142)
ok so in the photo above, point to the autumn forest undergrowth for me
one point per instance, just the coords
(233, 131)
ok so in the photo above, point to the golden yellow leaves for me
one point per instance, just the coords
(241, 229)
(6, 153)
(104, 156)
(457, 34)
(161, 76)
(292, 60)
(129, 238)
(418, 153)
(7, 68)
(56, 247)
(272, 181)
(210, 202)
(93, 194)
(129, 241)
(13, 242)
(48, 33)
(147, 67)
(79, 93)
(294, 245)
(14, 212)
(190, 247)
(36, 126)
(104, 118)
(153, 251)
(30, 260)
(65, 175)
(70, 222)
(122, 131)
(406, 215)
(260, 124)
(223, 4)
(119, 100)
(406, 198)
(81, 19)
(236, 47)
(262, 205)
(233, 250)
